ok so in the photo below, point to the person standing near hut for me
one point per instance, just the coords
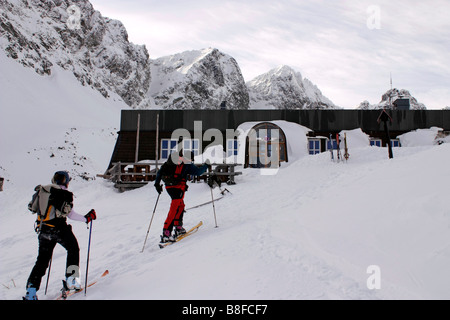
(174, 173)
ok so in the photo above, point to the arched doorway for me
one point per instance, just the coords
(265, 146)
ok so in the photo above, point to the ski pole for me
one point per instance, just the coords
(151, 220)
(87, 260)
(48, 274)
(214, 208)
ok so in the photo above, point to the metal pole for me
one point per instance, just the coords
(151, 220)
(136, 156)
(214, 208)
(87, 260)
(157, 141)
(48, 274)
(386, 131)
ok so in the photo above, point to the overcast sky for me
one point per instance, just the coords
(348, 48)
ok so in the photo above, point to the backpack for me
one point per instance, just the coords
(51, 202)
(171, 175)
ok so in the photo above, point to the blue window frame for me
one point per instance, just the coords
(314, 146)
(167, 147)
(170, 145)
(192, 145)
(232, 147)
(395, 143)
(331, 144)
(375, 142)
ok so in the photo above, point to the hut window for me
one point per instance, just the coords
(314, 146)
(167, 147)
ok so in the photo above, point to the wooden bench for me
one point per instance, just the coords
(129, 175)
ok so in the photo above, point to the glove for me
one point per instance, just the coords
(211, 180)
(90, 216)
(207, 164)
(158, 188)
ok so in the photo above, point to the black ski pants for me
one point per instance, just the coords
(48, 238)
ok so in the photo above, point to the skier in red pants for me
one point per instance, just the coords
(174, 174)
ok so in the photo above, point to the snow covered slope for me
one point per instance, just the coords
(284, 88)
(312, 231)
(51, 122)
(44, 34)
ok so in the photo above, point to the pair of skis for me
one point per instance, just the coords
(191, 231)
(65, 292)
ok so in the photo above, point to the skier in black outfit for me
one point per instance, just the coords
(53, 204)
(174, 173)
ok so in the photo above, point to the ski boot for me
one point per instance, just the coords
(31, 294)
(167, 237)
(179, 230)
(73, 283)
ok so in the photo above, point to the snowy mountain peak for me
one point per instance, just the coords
(42, 34)
(198, 79)
(285, 71)
(188, 59)
(389, 97)
(285, 88)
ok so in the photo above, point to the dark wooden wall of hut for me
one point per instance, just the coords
(322, 122)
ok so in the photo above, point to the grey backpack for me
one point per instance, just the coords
(51, 202)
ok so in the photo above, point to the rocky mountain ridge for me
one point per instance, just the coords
(44, 34)
(198, 79)
(284, 88)
(388, 100)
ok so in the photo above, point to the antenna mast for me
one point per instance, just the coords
(391, 79)
(390, 93)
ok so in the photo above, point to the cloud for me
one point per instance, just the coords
(329, 42)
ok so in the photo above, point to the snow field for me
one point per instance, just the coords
(309, 232)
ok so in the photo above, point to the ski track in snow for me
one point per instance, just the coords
(308, 232)
(294, 235)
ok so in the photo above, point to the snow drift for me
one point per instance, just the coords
(312, 231)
